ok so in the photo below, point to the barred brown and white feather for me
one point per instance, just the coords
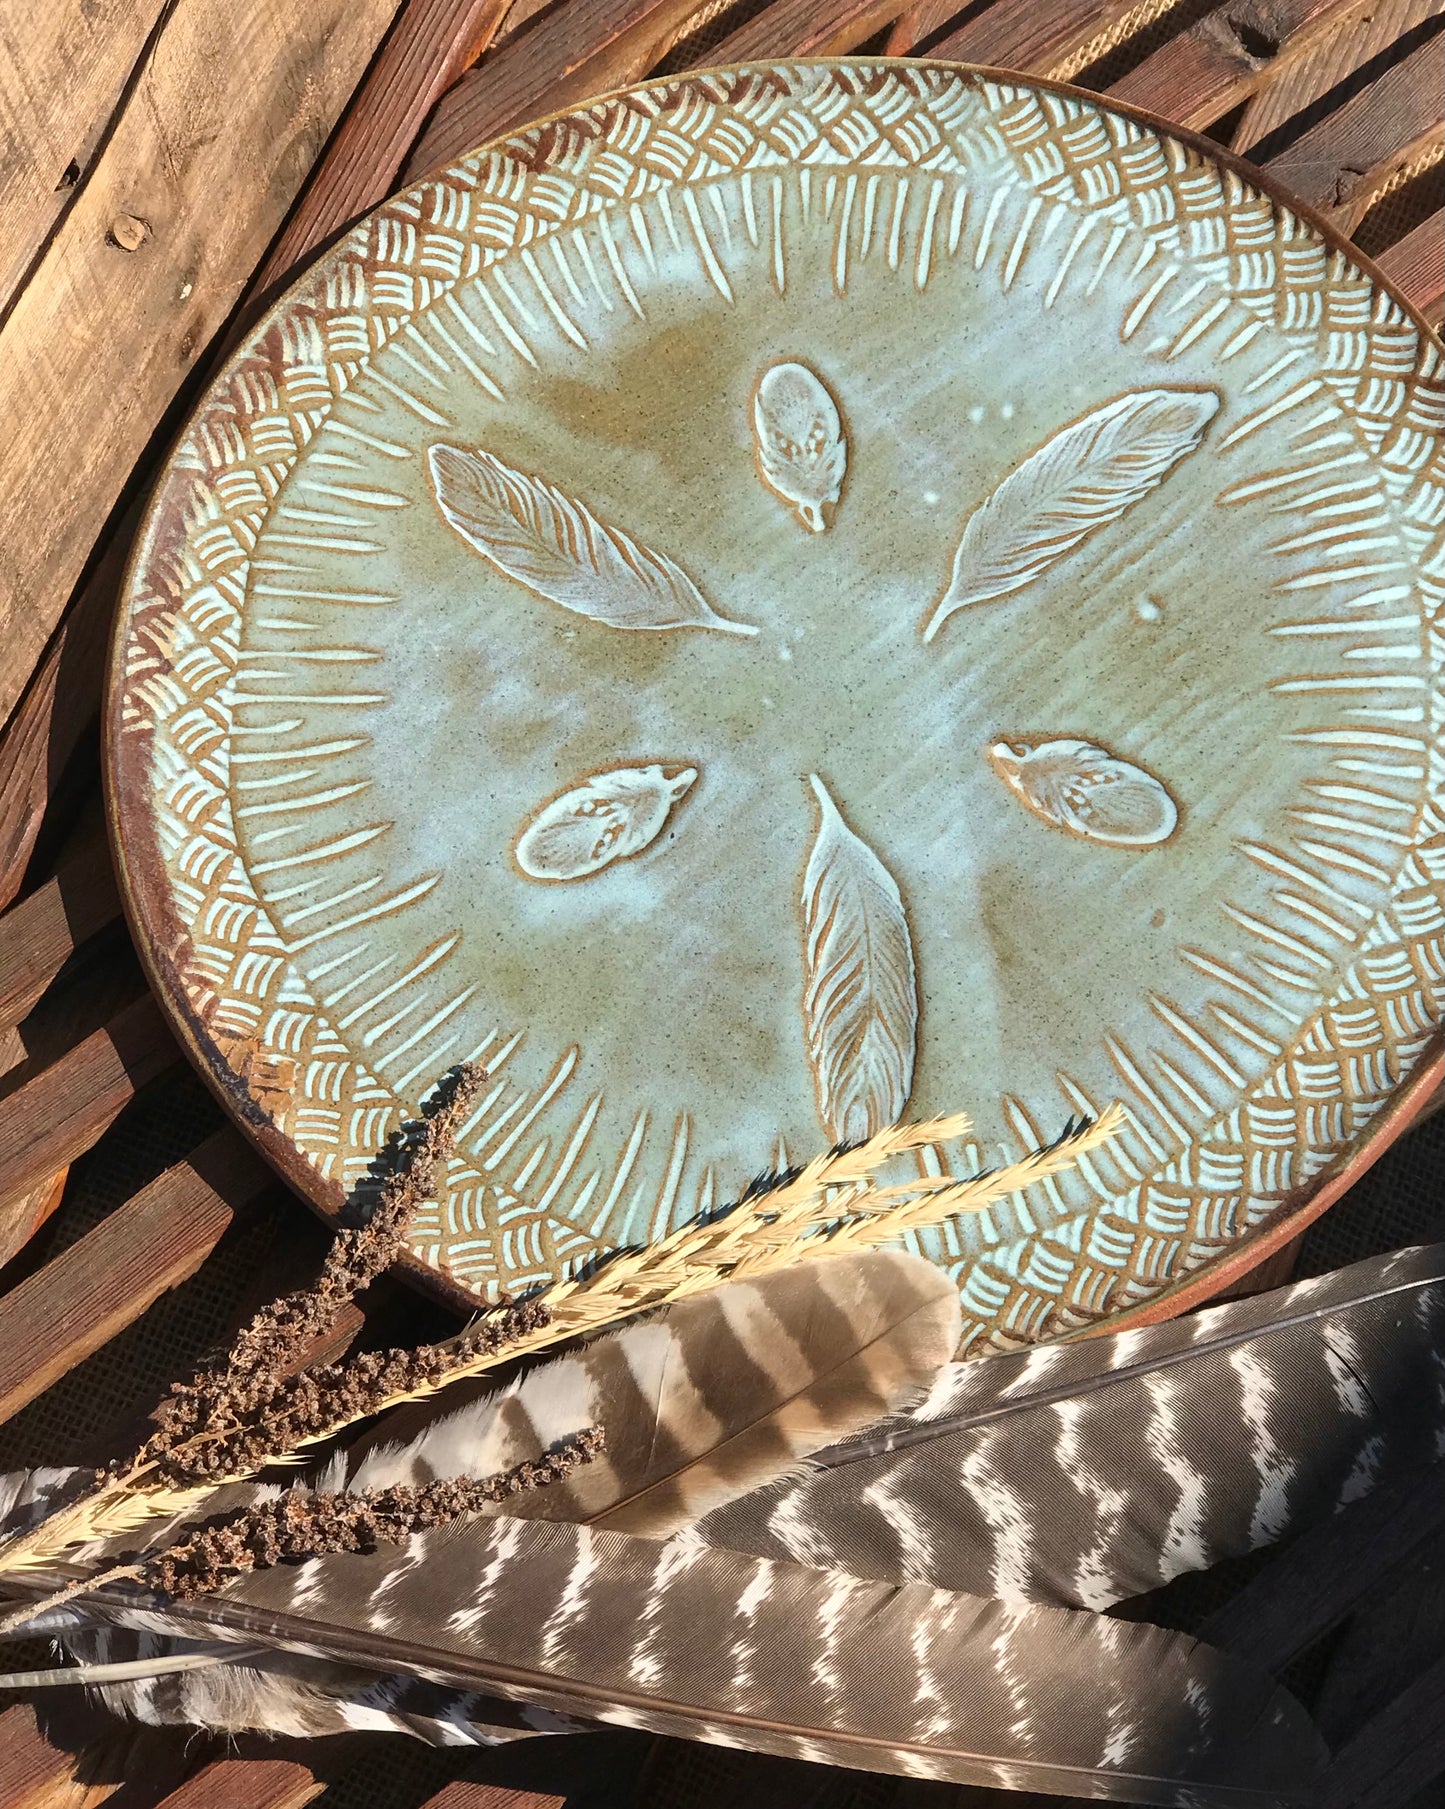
(678, 1638)
(706, 1401)
(1085, 1473)
(703, 1401)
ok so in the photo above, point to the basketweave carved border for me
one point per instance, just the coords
(1138, 1219)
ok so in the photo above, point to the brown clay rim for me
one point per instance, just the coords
(142, 886)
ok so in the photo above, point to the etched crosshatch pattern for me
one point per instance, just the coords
(791, 598)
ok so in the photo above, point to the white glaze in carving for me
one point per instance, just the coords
(1082, 787)
(557, 547)
(802, 453)
(1085, 476)
(609, 817)
(860, 1002)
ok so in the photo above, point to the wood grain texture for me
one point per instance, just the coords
(1335, 161)
(59, 704)
(432, 43)
(97, 1286)
(1055, 40)
(123, 1764)
(809, 28)
(63, 1110)
(919, 24)
(1416, 266)
(1294, 81)
(1214, 64)
(21, 1218)
(247, 1784)
(63, 70)
(581, 49)
(466, 1795)
(39, 935)
(224, 121)
(1396, 1754)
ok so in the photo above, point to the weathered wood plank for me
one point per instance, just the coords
(63, 70)
(1416, 266)
(247, 1784)
(1329, 164)
(1294, 82)
(1402, 165)
(228, 114)
(1209, 68)
(1056, 40)
(918, 24)
(104, 1282)
(36, 1774)
(39, 935)
(806, 28)
(63, 1110)
(432, 43)
(1394, 1756)
(1313, 1584)
(585, 48)
(464, 1795)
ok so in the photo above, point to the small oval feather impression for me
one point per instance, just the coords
(606, 818)
(1083, 788)
(1086, 476)
(802, 453)
(557, 547)
(860, 999)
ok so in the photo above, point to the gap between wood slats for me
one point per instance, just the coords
(583, 48)
(104, 1282)
(431, 44)
(1335, 160)
(805, 28)
(1210, 68)
(123, 1765)
(1394, 1756)
(246, 1784)
(64, 74)
(59, 1114)
(1295, 81)
(39, 935)
(233, 104)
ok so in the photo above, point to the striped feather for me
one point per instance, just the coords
(1085, 1473)
(677, 1638)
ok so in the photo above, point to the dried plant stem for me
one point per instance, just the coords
(825, 1210)
(828, 1208)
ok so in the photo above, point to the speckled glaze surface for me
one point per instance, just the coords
(790, 598)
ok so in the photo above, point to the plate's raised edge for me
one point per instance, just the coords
(326, 1197)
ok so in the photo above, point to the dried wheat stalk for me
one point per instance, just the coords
(244, 1417)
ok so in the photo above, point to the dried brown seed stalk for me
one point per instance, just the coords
(304, 1525)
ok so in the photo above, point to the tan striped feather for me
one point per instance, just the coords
(707, 1401)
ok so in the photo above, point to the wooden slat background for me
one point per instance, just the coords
(163, 165)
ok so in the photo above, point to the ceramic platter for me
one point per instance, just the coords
(792, 598)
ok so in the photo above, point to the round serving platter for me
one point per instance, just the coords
(786, 599)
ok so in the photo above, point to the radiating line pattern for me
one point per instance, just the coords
(913, 167)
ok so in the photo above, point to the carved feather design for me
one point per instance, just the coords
(1086, 476)
(609, 817)
(679, 1639)
(557, 547)
(1083, 788)
(802, 453)
(1084, 1473)
(860, 998)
